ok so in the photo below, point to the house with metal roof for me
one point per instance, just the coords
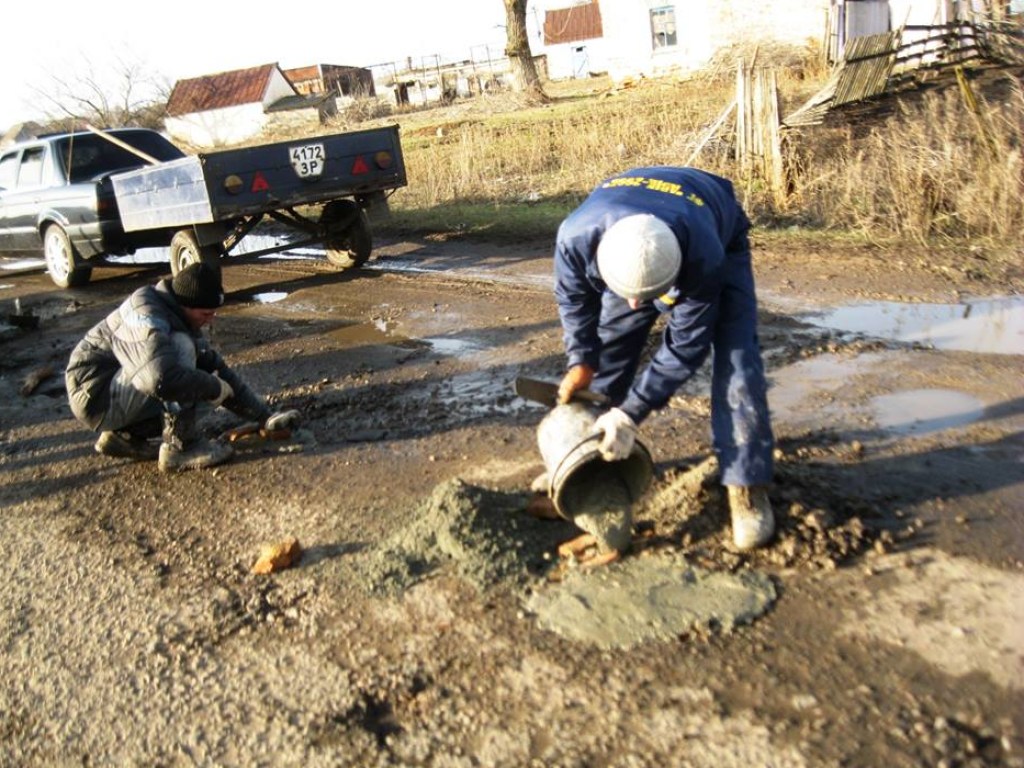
(228, 107)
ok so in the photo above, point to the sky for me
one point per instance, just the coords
(188, 38)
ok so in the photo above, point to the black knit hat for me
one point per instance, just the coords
(198, 286)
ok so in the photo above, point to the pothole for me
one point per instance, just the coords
(992, 325)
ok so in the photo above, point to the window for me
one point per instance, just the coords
(89, 156)
(663, 27)
(8, 170)
(31, 174)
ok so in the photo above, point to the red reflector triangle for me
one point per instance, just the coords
(360, 166)
(259, 183)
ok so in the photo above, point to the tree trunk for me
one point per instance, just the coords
(524, 73)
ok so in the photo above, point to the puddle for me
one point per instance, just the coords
(478, 393)
(794, 387)
(381, 332)
(142, 256)
(397, 264)
(649, 598)
(20, 264)
(450, 346)
(993, 325)
(254, 243)
(248, 244)
(919, 411)
(46, 309)
(269, 297)
(812, 392)
(377, 332)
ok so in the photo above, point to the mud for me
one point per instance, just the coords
(134, 633)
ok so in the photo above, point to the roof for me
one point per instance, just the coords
(20, 132)
(224, 89)
(567, 25)
(300, 101)
(302, 73)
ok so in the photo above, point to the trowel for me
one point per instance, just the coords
(546, 392)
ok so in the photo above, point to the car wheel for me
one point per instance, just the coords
(348, 241)
(66, 267)
(186, 250)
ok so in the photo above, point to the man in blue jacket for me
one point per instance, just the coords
(673, 241)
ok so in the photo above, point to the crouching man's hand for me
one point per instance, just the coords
(619, 434)
(281, 420)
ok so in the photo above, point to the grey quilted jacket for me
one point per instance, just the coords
(136, 337)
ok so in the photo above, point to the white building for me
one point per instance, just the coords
(646, 38)
(227, 107)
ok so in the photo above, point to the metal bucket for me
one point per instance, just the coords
(569, 446)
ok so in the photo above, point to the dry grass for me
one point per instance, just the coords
(932, 171)
(935, 171)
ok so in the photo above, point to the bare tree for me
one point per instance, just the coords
(123, 93)
(517, 48)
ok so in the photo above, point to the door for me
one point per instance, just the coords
(580, 62)
(19, 202)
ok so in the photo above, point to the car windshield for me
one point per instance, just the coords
(87, 155)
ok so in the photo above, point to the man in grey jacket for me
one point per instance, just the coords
(142, 371)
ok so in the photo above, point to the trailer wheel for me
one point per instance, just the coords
(348, 240)
(186, 250)
(66, 267)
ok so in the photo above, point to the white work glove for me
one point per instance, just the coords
(225, 391)
(281, 420)
(619, 434)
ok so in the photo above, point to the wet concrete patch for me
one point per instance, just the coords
(994, 325)
(655, 598)
(483, 536)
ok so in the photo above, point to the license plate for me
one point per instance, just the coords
(308, 160)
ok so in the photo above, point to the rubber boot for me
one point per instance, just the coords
(124, 445)
(182, 449)
(753, 521)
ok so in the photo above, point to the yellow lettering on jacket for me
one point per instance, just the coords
(655, 185)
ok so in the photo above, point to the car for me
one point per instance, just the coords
(56, 198)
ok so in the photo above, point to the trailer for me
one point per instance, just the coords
(322, 186)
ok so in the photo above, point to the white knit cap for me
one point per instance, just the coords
(639, 257)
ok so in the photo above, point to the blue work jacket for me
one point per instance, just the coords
(702, 211)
